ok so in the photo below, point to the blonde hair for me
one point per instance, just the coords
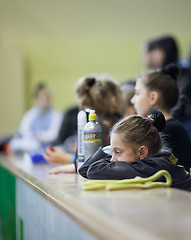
(139, 130)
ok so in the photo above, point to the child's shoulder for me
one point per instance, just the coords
(160, 159)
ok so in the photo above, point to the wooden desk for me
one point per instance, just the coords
(151, 214)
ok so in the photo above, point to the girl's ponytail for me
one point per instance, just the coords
(172, 70)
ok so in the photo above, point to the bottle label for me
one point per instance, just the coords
(92, 136)
(80, 141)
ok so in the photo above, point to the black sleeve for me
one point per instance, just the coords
(178, 140)
(182, 110)
(104, 169)
(68, 126)
(99, 154)
(99, 167)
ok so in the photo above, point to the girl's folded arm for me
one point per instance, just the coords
(100, 154)
(104, 169)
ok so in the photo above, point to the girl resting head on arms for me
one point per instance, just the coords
(133, 138)
(137, 151)
(158, 89)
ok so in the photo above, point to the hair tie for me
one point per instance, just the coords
(150, 119)
(91, 82)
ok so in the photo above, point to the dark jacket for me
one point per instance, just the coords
(106, 124)
(178, 141)
(68, 127)
(182, 111)
(99, 167)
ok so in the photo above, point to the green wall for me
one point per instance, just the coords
(59, 41)
(61, 63)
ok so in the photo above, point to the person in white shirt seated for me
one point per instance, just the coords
(39, 126)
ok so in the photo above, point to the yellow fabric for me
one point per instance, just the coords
(137, 182)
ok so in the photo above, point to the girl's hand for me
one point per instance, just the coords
(70, 168)
(57, 155)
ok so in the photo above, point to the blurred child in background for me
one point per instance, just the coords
(39, 126)
(128, 91)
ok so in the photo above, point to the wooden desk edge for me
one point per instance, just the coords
(96, 225)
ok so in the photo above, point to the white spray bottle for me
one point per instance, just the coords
(81, 122)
